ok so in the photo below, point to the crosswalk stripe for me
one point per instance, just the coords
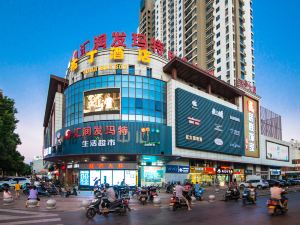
(8, 217)
(31, 221)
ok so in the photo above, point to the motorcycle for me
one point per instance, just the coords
(199, 194)
(275, 207)
(143, 196)
(68, 193)
(100, 205)
(232, 194)
(170, 189)
(176, 203)
(152, 192)
(249, 196)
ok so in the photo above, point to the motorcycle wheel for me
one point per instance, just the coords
(244, 201)
(122, 211)
(90, 213)
(174, 207)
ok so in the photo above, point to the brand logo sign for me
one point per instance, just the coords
(218, 141)
(235, 145)
(194, 104)
(236, 119)
(218, 127)
(218, 113)
(235, 132)
(194, 121)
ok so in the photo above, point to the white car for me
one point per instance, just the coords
(12, 181)
(259, 184)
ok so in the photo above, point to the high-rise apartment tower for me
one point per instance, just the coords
(217, 35)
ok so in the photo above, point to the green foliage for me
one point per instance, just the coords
(11, 161)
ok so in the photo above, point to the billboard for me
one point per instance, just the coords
(251, 127)
(102, 101)
(277, 152)
(202, 124)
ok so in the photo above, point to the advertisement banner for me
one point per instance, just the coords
(251, 118)
(202, 124)
(102, 101)
(277, 152)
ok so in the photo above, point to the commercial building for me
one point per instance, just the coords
(130, 114)
(215, 35)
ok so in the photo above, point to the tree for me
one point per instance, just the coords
(11, 160)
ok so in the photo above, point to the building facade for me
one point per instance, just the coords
(130, 114)
(215, 35)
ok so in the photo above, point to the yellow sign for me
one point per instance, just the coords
(74, 64)
(144, 56)
(91, 54)
(117, 53)
(106, 67)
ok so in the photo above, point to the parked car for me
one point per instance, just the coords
(293, 181)
(272, 182)
(259, 184)
(285, 183)
(12, 181)
(297, 181)
(6, 181)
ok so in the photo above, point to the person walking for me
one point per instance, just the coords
(6, 193)
(17, 189)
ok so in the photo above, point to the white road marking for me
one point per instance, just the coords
(29, 216)
(31, 221)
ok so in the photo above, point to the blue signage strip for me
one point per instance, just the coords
(112, 138)
(171, 169)
(177, 169)
(183, 169)
(202, 124)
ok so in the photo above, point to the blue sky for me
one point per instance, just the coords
(37, 39)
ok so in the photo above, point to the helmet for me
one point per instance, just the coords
(106, 185)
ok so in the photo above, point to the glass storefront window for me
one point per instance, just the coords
(130, 177)
(106, 177)
(118, 177)
(94, 176)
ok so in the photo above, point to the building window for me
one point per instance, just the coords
(218, 9)
(149, 72)
(218, 26)
(227, 65)
(219, 52)
(218, 17)
(218, 34)
(218, 60)
(131, 70)
(219, 69)
(138, 103)
(218, 43)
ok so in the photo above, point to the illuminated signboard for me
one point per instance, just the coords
(202, 124)
(102, 101)
(114, 137)
(277, 151)
(251, 127)
(117, 49)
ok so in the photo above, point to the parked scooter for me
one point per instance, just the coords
(143, 197)
(100, 205)
(275, 207)
(152, 192)
(232, 194)
(68, 193)
(249, 196)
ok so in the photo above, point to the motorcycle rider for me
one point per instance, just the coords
(252, 190)
(111, 194)
(276, 192)
(179, 189)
